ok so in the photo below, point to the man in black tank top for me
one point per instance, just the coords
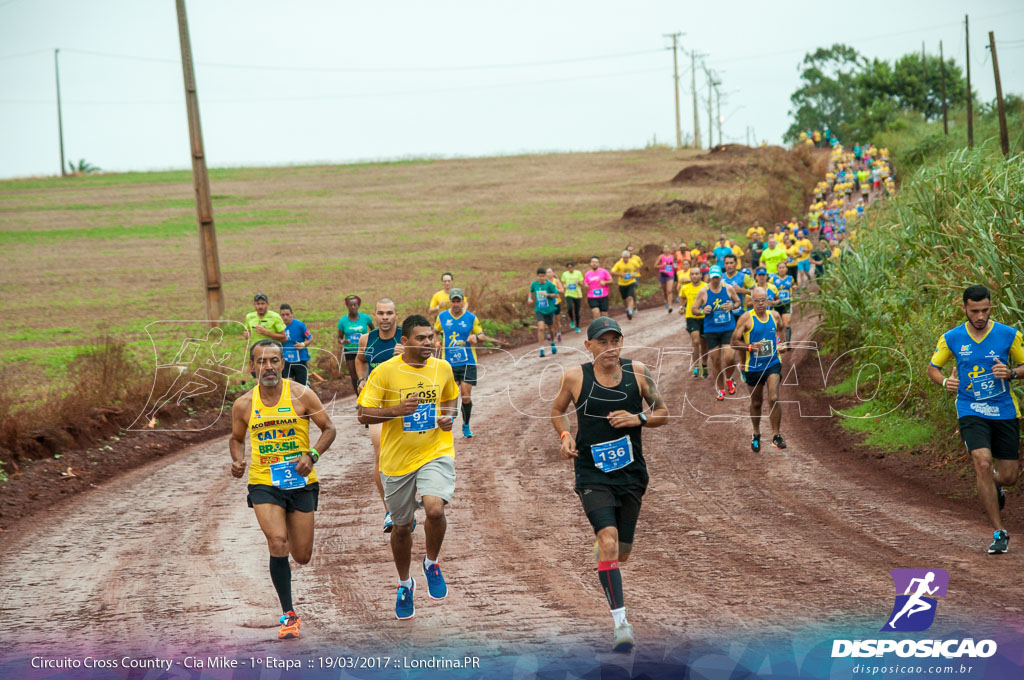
(374, 350)
(614, 400)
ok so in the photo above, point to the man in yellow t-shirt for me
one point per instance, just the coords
(415, 396)
(694, 322)
(626, 269)
(263, 321)
(440, 301)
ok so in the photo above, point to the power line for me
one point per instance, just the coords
(330, 97)
(346, 69)
(20, 55)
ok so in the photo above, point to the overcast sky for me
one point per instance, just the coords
(308, 81)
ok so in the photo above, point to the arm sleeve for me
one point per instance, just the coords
(942, 354)
(1017, 350)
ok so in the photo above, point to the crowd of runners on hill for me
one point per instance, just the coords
(414, 378)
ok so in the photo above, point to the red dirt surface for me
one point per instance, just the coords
(730, 541)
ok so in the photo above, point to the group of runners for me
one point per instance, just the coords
(414, 379)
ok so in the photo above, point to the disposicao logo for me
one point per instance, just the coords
(917, 593)
(914, 609)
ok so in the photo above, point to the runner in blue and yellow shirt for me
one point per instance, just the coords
(458, 331)
(988, 358)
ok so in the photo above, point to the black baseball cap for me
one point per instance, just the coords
(602, 325)
(260, 296)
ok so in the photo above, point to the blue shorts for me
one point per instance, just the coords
(803, 266)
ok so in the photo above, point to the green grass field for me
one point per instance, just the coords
(107, 254)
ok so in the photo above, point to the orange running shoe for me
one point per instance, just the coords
(290, 623)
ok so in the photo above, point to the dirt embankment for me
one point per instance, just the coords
(740, 184)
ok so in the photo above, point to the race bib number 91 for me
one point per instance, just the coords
(423, 419)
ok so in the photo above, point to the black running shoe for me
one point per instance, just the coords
(755, 443)
(779, 442)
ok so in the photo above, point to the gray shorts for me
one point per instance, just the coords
(436, 478)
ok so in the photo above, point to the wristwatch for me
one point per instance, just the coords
(315, 455)
(643, 418)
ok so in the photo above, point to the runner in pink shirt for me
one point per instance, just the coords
(667, 274)
(598, 282)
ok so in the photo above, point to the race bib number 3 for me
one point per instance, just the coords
(613, 455)
(284, 476)
(423, 419)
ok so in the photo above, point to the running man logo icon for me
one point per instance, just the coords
(914, 609)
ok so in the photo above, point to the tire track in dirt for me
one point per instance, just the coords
(728, 541)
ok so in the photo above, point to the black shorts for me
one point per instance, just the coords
(755, 378)
(664, 278)
(612, 506)
(292, 500)
(297, 371)
(627, 291)
(549, 319)
(1001, 437)
(695, 325)
(465, 374)
(713, 340)
(350, 356)
(785, 308)
(601, 303)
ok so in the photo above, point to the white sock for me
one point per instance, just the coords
(619, 616)
(407, 583)
(428, 563)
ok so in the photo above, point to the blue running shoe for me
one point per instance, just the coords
(755, 443)
(466, 432)
(388, 524)
(1000, 543)
(542, 351)
(404, 608)
(436, 586)
(554, 350)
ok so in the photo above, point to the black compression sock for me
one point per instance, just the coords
(281, 575)
(467, 409)
(611, 581)
(789, 333)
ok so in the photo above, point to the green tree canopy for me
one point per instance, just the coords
(856, 98)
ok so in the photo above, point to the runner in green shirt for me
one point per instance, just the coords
(350, 328)
(264, 321)
(573, 280)
(773, 255)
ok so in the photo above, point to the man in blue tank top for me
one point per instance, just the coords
(614, 400)
(374, 349)
(988, 358)
(716, 303)
(757, 339)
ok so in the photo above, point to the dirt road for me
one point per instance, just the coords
(169, 557)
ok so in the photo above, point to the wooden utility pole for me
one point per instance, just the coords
(1004, 138)
(945, 117)
(970, 95)
(718, 106)
(675, 78)
(693, 87)
(711, 120)
(208, 257)
(60, 120)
